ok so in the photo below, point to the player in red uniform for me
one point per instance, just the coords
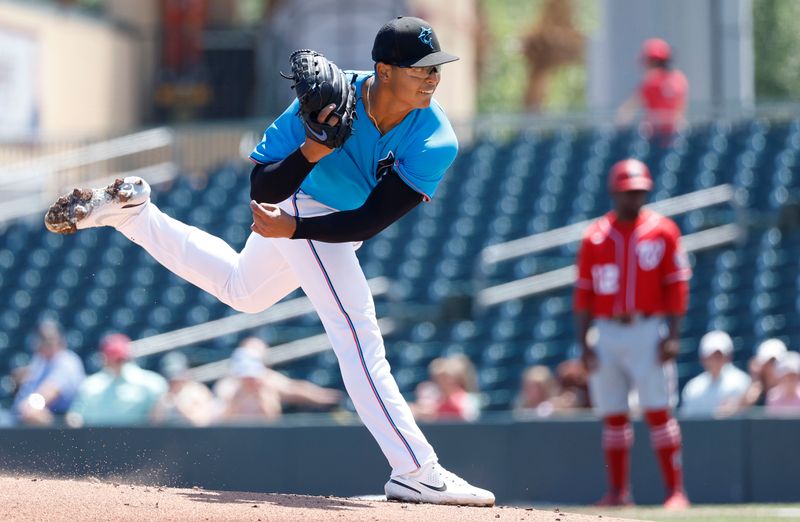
(662, 93)
(632, 286)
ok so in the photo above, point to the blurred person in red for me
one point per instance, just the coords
(762, 368)
(186, 402)
(50, 382)
(289, 391)
(537, 390)
(632, 286)
(450, 392)
(784, 397)
(121, 394)
(662, 94)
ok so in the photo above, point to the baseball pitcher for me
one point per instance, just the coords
(355, 152)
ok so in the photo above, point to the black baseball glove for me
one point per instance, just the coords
(318, 82)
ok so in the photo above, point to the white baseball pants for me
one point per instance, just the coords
(627, 359)
(265, 271)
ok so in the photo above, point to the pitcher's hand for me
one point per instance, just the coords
(271, 221)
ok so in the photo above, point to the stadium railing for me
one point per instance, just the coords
(242, 322)
(28, 187)
(536, 284)
(281, 353)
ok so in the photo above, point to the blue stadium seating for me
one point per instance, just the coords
(97, 282)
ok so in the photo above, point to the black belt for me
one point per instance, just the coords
(629, 318)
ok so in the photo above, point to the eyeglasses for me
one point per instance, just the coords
(422, 72)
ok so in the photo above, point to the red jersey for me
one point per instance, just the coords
(632, 267)
(457, 406)
(663, 94)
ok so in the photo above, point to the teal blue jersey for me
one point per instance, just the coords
(419, 149)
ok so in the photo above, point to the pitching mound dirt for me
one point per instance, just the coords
(37, 499)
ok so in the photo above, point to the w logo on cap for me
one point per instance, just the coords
(425, 36)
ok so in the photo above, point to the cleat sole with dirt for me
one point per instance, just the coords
(64, 215)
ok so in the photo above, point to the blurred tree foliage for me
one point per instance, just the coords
(95, 6)
(251, 12)
(776, 42)
(503, 77)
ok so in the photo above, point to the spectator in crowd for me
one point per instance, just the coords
(762, 372)
(289, 391)
(573, 386)
(121, 394)
(537, 391)
(246, 396)
(662, 93)
(718, 391)
(50, 382)
(451, 392)
(784, 397)
(186, 402)
(17, 374)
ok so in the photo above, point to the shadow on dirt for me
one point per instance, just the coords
(258, 499)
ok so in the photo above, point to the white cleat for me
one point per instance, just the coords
(432, 484)
(110, 206)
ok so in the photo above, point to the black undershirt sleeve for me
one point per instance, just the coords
(390, 200)
(274, 182)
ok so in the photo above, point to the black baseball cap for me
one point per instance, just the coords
(409, 42)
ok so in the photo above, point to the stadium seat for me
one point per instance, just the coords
(497, 190)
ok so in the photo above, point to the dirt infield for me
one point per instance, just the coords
(37, 499)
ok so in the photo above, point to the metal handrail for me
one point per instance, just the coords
(562, 277)
(570, 233)
(26, 173)
(37, 203)
(281, 354)
(501, 123)
(236, 323)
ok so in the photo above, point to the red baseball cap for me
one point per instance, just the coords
(656, 49)
(630, 174)
(116, 347)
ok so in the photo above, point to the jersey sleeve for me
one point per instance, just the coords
(424, 163)
(688, 396)
(584, 288)
(81, 401)
(158, 387)
(281, 138)
(676, 262)
(681, 88)
(676, 271)
(646, 91)
(67, 374)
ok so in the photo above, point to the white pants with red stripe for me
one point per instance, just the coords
(627, 360)
(265, 271)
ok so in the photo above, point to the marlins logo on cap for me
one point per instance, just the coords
(407, 41)
(425, 35)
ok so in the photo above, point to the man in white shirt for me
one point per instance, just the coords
(717, 391)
